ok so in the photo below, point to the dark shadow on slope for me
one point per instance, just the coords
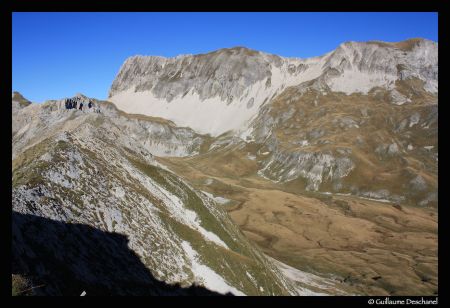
(68, 259)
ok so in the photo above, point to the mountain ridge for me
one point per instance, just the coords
(233, 83)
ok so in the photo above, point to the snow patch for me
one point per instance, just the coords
(250, 156)
(46, 157)
(305, 278)
(205, 275)
(219, 199)
(182, 214)
(118, 192)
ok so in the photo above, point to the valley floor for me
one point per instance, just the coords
(355, 245)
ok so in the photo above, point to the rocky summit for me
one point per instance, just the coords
(235, 172)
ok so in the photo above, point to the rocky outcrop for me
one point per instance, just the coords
(158, 136)
(316, 168)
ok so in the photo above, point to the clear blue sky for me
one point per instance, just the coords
(56, 55)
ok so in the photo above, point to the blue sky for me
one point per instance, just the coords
(57, 55)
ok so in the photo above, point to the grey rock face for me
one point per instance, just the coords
(250, 103)
(431, 197)
(393, 149)
(401, 126)
(432, 115)
(414, 119)
(225, 73)
(418, 183)
(160, 138)
(346, 123)
(411, 58)
(397, 98)
(315, 168)
(316, 133)
(382, 194)
(344, 151)
(387, 149)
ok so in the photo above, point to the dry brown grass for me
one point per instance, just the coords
(371, 247)
(406, 45)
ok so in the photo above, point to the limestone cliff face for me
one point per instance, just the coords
(231, 85)
(211, 93)
(363, 66)
(225, 73)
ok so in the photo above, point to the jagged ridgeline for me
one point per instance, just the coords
(93, 211)
(223, 90)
